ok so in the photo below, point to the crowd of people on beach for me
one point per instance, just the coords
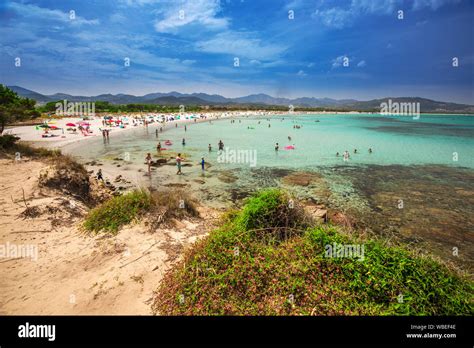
(179, 159)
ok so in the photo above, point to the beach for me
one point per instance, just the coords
(118, 274)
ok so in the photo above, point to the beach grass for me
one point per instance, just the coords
(236, 271)
(118, 211)
(154, 208)
(10, 145)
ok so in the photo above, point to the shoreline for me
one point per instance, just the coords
(29, 134)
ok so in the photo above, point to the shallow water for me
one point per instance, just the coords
(412, 160)
(394, 140)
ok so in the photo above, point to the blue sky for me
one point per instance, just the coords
(191, 46)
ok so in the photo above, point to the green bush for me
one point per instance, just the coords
(117, 212)
(232, 272)
(7, 141)
(155, 208)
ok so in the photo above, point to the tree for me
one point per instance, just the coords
(14, 108)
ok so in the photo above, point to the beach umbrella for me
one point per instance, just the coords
(71, 124)
(53, 127)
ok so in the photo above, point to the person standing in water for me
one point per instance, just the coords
(370, 150)
(178, 163)
(148, 162)
(289, 138)
(183, 142)
(346, 155)
(185, 128)
(210, 148)
(158, 147)
(221, 145)
(277, 147)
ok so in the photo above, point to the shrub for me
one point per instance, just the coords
(272, 215)
(7, 141)
(117, 212)
(232, 273)
(168, 205)
(155, 208)
(69, 176)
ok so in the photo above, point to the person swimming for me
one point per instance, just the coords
(289, 138)
(355, 150)
(277, 147)
(337, 154)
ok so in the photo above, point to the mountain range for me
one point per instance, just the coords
(176, 98)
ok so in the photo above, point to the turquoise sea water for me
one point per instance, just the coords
(432, 139)
(412, 160)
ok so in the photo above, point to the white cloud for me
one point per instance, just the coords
(361, 64)
(180, 14)
(242, 45)
(338, 61)
(334, 17)
(432, 4)
(117, 18)
(46, 14)
(188, 62)
(301, 73)
(341, 17)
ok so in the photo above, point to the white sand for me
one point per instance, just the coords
(32, 135)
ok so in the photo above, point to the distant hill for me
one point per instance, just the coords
(176, 98)
(26, 93)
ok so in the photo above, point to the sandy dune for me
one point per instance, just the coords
(75, 273)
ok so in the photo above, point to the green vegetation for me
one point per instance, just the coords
(103, 106)
(117, 212)
(14, 108)
(155, 208)
(235, 271)
(9, 146)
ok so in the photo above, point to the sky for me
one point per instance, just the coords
(343, 49)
